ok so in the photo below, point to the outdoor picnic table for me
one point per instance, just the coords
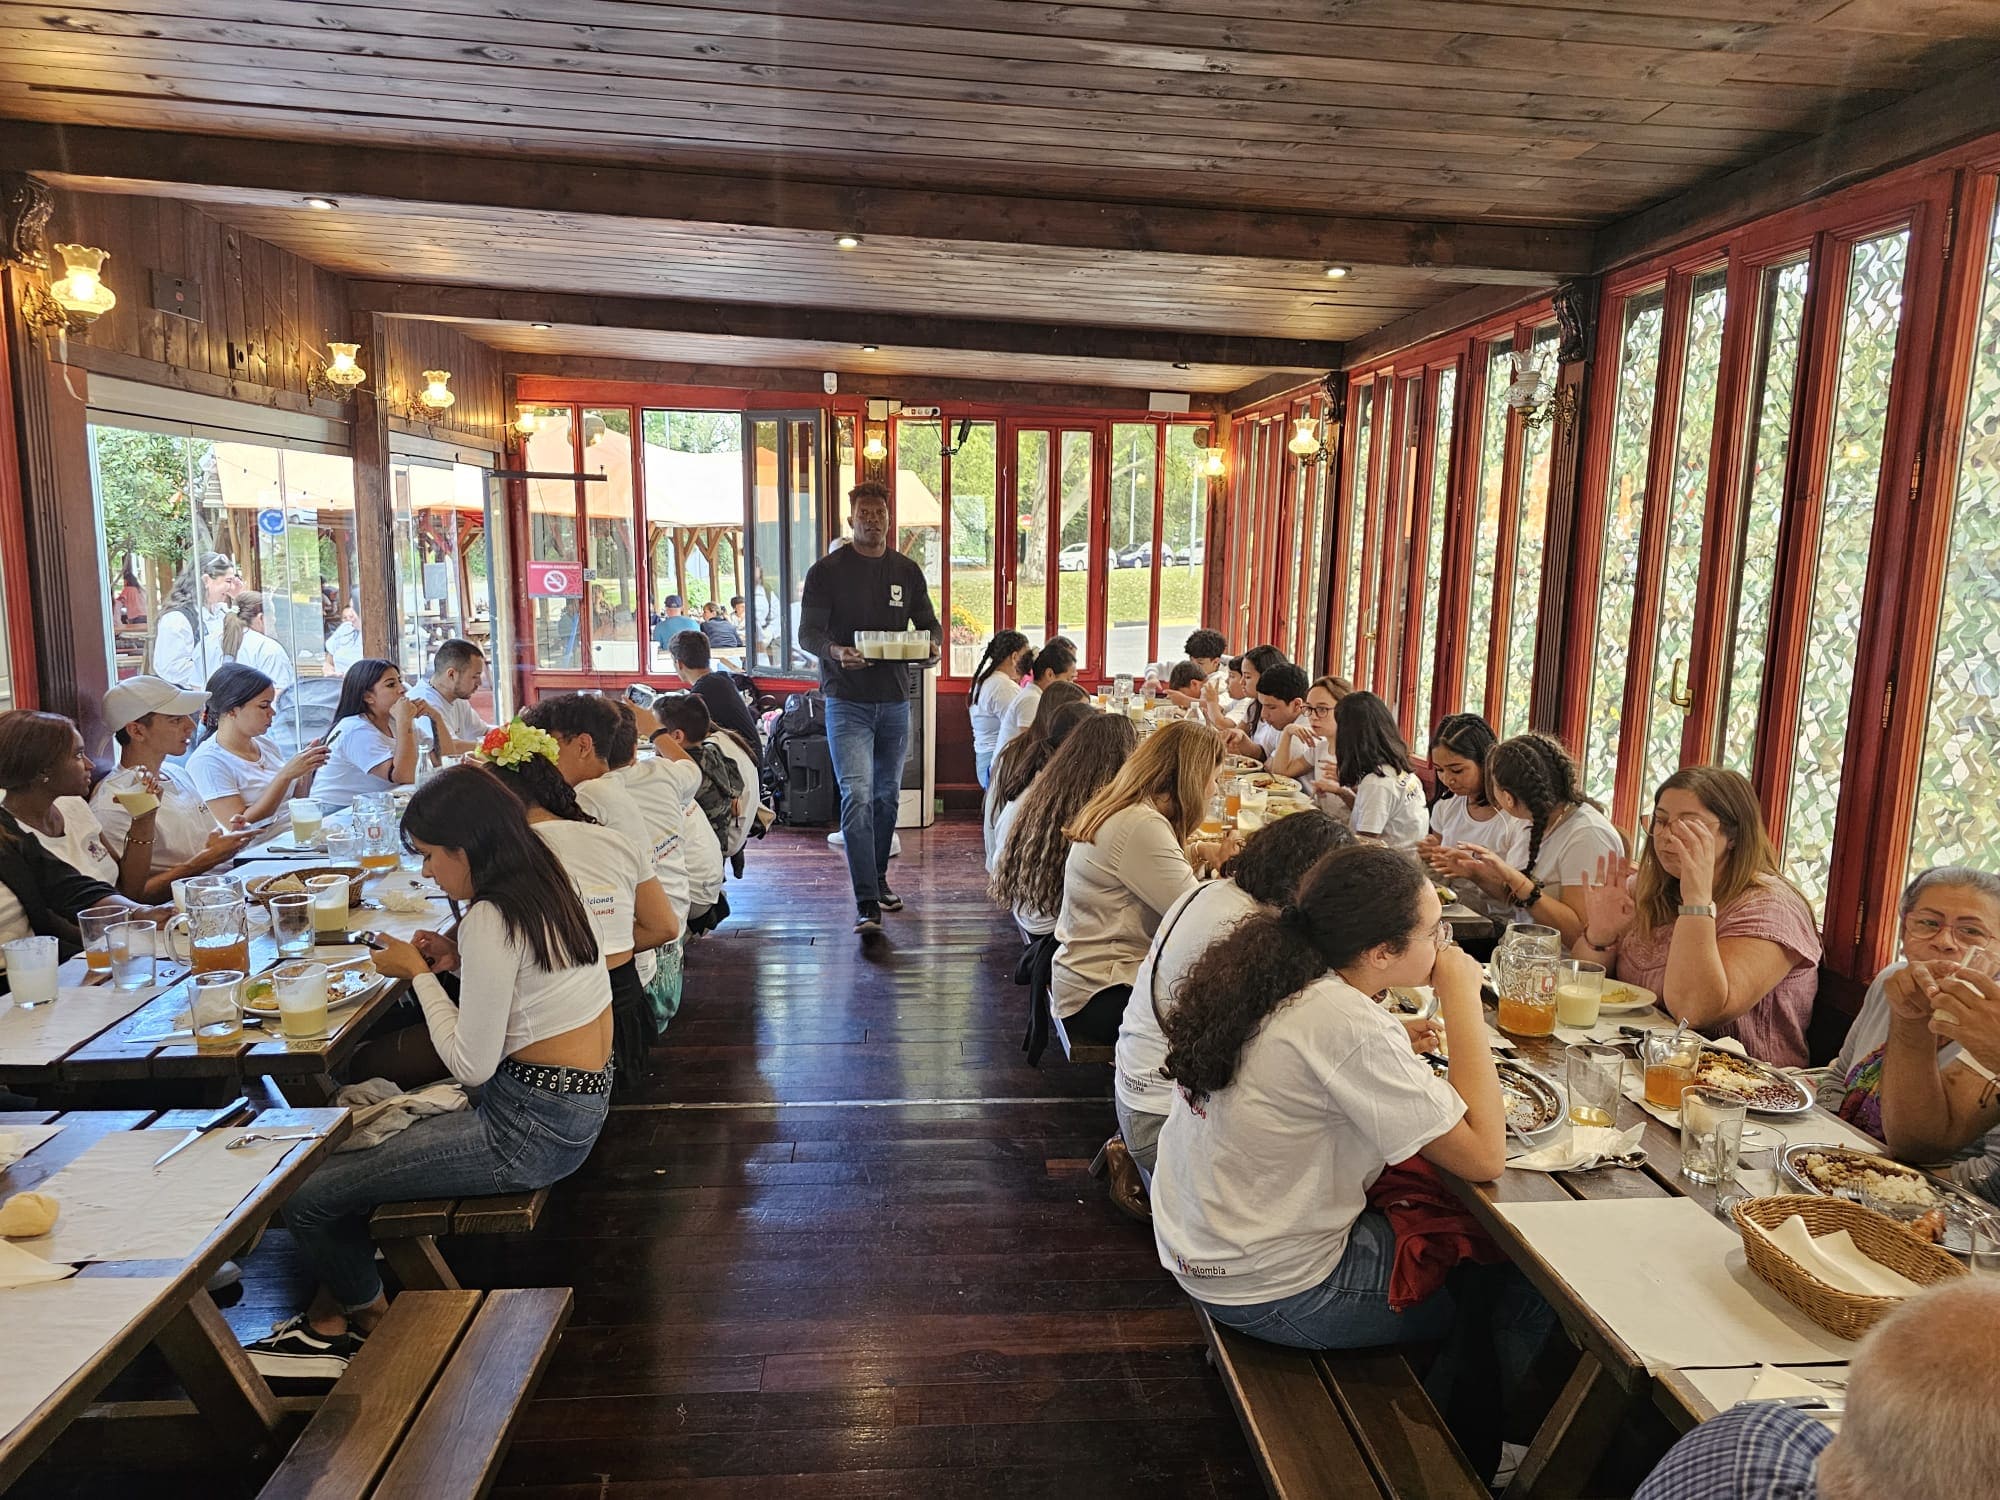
(1611, 1378)
(118, 1043)
(147, 1240)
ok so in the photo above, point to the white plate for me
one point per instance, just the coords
(354, 986)
(1641, 998)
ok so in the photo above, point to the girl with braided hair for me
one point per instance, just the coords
(1532, 777)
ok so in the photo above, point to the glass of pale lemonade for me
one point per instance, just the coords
(330, 895)
(1579, 992)
(305, 820)
(300, 990)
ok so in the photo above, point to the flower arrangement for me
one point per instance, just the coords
(514, 742)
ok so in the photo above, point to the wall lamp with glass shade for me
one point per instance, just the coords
(874, 450)
(343, 369)
(75, 297)
(436, 394)
(527, 420)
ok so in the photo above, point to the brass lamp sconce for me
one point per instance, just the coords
(338, 375)
(1306, 445)
(74, 298)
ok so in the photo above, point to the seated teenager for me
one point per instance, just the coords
(1128, 863)
(662, 787)
(684, 719)
(45, 776)
(1021, 757)
(1033, 849)
(726, 708)
(701, 851)
(1065, 721)
(530, 1029)
(373, 745)
(1227, 702)
(996, 683)
(1708, 922)
(1949, 914)
(240, 771)
(1322, 703)
(1255, 739)
(1264, 875)
(1293, 1091)
(1384, 797)
(1185, 682)
(458, 670)
(1934, 1108)
(610, 872)
(1281, 703)
(1206, 652)
(152, 720)
(1531, 777)
(1054, 663)
(1459, 748)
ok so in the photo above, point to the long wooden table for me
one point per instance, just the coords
(231, 1408)
(1610, 1379)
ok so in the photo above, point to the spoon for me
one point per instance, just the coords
(253, 1137)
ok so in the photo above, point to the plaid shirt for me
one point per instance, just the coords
(1754, 1451)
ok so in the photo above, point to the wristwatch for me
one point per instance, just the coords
(1704, 910)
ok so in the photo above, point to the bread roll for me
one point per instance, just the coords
(28, 1215)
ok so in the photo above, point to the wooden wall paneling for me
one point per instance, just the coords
(14, 562)
(374, 519)
(409, 346)
(1560, 646)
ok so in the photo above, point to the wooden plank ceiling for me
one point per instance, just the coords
(1556, 113)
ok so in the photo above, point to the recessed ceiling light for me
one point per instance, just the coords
(870, 348)
(1334, 273)
(538, 325)
(324, 205)
(847, 242)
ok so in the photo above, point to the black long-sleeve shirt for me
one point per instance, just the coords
(51, 892)
(846, 592)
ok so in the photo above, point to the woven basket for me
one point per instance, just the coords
(260, 891)
(1879, 1237)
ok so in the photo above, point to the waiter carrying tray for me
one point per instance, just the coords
(866, 585)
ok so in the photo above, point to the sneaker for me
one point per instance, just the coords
(840, 842)
(292, 1351)
(870, 920)
(890, 900)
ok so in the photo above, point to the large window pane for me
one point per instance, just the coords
(1640, 326)
(1312, 544)
(1531, 522)
(1486, 523)
(1960, 786)
(1186, 518)
(1032, 528)
(1428, 603)
(443, 565)
(1687, 502)
(805, 524)
(974, 485)
(1870, 322)
(1784, 306)
(556, 595)
(1303, 480)
(1398, 540)
(694, 516)
(1129, 595)
(768, 618)
(1073, 601)
(149, 489)
(1350, 552)
(616, 610)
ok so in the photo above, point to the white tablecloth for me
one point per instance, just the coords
(55, 1329)
(38, 1037)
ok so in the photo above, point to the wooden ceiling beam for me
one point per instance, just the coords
(847, 327)
(1472, 251)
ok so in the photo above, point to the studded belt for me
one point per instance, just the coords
(558, 1080)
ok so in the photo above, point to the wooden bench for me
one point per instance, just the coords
(1345, 1425)
(427, 1408)
(408, 1232)
(1078, 1052)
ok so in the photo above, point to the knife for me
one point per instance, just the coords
(224, 1116)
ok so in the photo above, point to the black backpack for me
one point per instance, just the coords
(804, 718)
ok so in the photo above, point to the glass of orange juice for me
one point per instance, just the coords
(1670, 1059)
(93, 925)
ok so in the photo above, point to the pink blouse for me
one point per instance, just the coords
(1774, 1029)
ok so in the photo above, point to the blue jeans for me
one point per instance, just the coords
(514, 1139)
(982, 767)
(868, 742)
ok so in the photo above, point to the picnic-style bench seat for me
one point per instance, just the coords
(408, 1232)
(427, 1407)
(1346, 1425)
(1079, 1052)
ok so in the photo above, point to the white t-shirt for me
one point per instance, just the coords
(1452, 821)
(704, 857)
(606, 867)
(1115, 890)
(13, 922)
(1018, 715)
(506, 1001)
(1195, 921)
(356, 747)
(81, 847)
(1389, 805)
(989, 706)
(186, 653)
(262, 654)
(1256, 1191)
(459, 716)
(661, 789)
(1266, 735)
(1571, 849)
(217, 772)
(180, 830)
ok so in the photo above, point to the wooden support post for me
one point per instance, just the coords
(374, 511)
(1576, 313)
(1574, 1436)
(219, 1378)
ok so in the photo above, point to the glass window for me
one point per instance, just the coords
(1531, 516)
(1871, 319)
(1185, 518)
(1776, 381)
(1687, 503)
(1371, 547)
(1960, 782)
(918, 494)
(1312, 548)
(805, 526)
(1428, 603)
(1073, 589)
(556, 593)
(1135, 454)
(693, 484)
(973, 484)
(1640, 326)
(615, 606)
(1486, 526)
(444, 568)
(1350, 560)
(769, 623)
(1298, 482)
(1031, 557)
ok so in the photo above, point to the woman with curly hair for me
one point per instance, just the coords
(1128, 863)
(1024, 755)
(1028, 875)
(1295, 1089)
(1532, 777)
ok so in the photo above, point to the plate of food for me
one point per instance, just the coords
(344, 987)
(1621, 997)
(1934, 1210)
(1534, 1104)
(1765, 1089)
(1241, 763)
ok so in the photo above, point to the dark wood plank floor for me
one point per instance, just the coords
(843, 1243)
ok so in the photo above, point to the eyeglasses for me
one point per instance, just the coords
(1316, 709)
(1442, 936)
(1930, 927)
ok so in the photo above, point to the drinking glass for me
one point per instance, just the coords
(305, 820)
(1579, 992)
(300, 990)
(1528, 995)
(185, 888)
(343, 846)
(374, 821)
(1983, 1245)
(1596, 1074)
(330, 896)
(217, 924)
(132, 946)
(31, 970)
(292, 923)
(93, 924)
(216, 1012)
(1711, 1134)
(1669, 1058)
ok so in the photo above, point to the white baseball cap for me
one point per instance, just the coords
(136, 697)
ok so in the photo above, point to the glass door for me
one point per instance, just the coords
(444, 566)
(784, 468)
(1059, 560)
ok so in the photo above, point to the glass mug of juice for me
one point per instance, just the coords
(375, 826)
(1670, 1059)
(1528, 995)
(216, 926)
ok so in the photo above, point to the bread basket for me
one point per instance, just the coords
(1879, 1237)
(260, 890)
